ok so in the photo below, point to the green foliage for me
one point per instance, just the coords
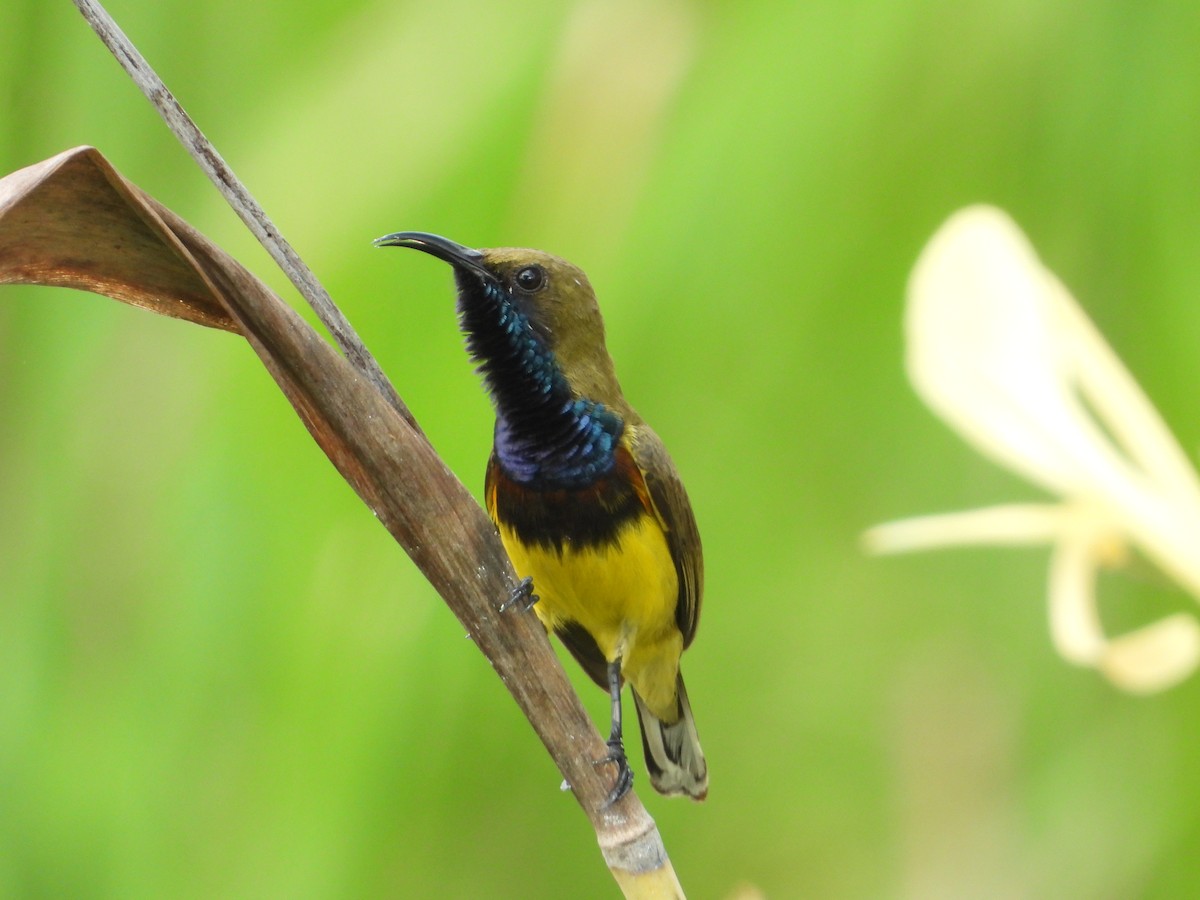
(219, 676)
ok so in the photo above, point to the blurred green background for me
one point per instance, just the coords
(220, 677)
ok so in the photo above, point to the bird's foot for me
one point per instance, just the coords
(522, 595)
(624, 779)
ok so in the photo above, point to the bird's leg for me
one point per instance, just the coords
(522, 595)
(616, 749)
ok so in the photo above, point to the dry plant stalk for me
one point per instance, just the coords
(73, 221)
(239, 198)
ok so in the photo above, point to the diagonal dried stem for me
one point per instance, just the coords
(240, 199)
(73, 221)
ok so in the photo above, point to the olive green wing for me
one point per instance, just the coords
(674, 513)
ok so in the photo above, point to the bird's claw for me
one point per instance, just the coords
(522, 595)
(624, 779)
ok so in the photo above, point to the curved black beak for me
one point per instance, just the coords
(462, 258)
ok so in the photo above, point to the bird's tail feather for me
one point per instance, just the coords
(674, 759)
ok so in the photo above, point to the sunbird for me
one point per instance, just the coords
(588, 503)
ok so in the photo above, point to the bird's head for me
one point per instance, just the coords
(539, 297)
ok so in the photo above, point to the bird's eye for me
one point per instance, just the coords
(530, 278)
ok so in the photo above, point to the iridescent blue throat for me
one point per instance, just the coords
(546, 438)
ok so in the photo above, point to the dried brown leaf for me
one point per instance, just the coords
(73, 221)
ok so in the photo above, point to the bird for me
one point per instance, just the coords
(587, 502)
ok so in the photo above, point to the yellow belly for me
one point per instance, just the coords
(623, 595)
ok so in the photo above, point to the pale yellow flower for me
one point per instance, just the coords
(1000, 350)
